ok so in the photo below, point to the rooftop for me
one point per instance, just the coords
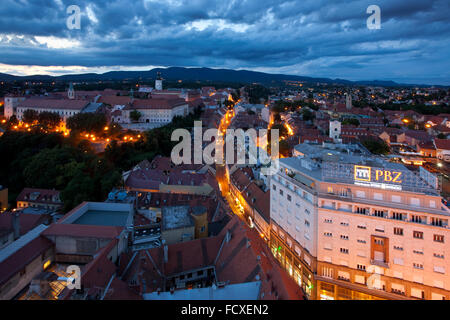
(239, 291)
(42, 103)
(337, 163)
(176, 217)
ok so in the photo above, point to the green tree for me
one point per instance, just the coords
(135, 115)
(49, 119)
(351, 121)
(30, 115)
(307, 115)
(87, 122)
(376, 146)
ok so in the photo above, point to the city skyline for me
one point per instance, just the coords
(300, 38)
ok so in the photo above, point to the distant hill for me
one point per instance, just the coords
(199, 74)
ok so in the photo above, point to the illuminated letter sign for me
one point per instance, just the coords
(381, 178)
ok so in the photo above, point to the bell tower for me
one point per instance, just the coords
(158, 82)
(71, 92)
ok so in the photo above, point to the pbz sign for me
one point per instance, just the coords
(367, 174)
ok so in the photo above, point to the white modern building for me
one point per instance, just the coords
(347, 225)
(158, 111)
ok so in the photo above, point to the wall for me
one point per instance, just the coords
(18, 282)
(175, 235)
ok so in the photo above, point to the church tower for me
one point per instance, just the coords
(335, 127)
(71, 92)
(158, 82)
(348, 101)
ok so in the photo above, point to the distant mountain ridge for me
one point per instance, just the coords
(200, 74)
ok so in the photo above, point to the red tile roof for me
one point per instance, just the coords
(156, 103)
(443, 144)
(78, 230)
(43, 196)
(244, 258)
(115, 100)
(240, 179)
(22, 257)
(66, 104)
(26, 221)
(258, 199)
(99, 271)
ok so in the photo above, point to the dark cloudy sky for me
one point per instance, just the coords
(304, 37)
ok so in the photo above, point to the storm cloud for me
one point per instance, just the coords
(306, 37)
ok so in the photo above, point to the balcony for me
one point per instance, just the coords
(379, 263)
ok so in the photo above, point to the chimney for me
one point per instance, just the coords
(16, 225)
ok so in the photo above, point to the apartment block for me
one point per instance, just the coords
(348, 225)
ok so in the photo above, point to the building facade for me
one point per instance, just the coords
(346, 225)
(65, 108)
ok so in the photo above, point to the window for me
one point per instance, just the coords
(328, 221)
(416, 219)
(345, 276)
(379, 229)
(398, 248)
(344, 250)
(439, 269)
(281, 192)
(344, 223)
(437, 222)
(307, 223)
(438, 255)
(327, 234)
(361, 267)
(398, 231)
(418, 234)
(418, 266)
(361, 210)
(438, 238)
(379, 241)
(274, 187)
(418, 251)
(361, 241)
(378, 196)
(397, 216)
(327, 272)
(360, 194)
(289, 197)
(378, 213)
(344, 237)
(362, 227)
